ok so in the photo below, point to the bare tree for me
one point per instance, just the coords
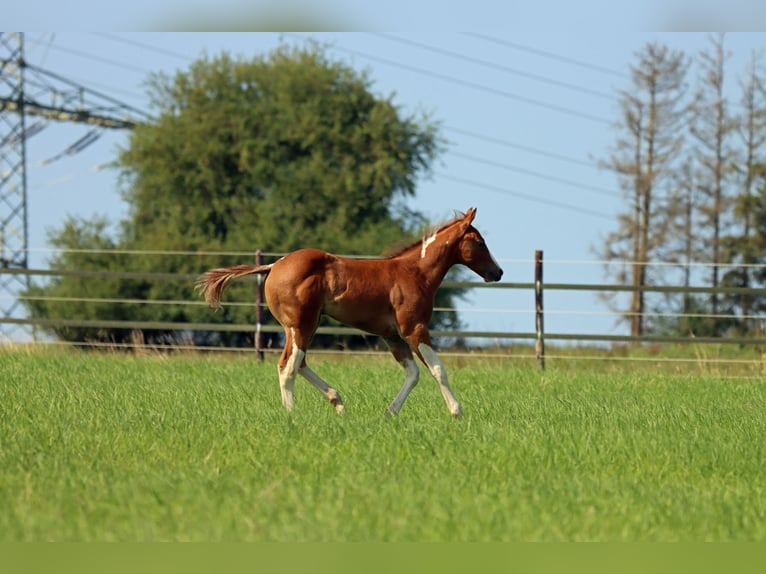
(644, 158)
(713, 127)
(745, 245)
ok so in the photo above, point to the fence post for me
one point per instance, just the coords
(539, 342)
(258, 307)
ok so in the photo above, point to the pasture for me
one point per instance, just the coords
(117, 447)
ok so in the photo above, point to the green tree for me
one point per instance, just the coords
(277, 152)
(86, 246)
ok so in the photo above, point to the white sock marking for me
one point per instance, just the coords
(329, 392)
(287, 376)
(439, 373)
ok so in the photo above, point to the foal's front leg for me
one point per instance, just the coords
(420, 340)
(435, 365)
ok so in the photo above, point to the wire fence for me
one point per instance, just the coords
(501, 344)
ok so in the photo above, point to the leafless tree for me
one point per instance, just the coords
(644, 158)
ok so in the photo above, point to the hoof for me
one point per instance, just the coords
(334, 397)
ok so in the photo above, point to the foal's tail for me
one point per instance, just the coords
(213, 283)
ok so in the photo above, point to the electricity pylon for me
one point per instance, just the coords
(27, 91)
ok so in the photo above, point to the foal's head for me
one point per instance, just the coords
(473, 252)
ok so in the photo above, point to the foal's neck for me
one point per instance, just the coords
(434, 256)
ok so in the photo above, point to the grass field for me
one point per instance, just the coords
(99, 447)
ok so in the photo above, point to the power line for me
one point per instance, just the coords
(144, 46)
(45, 44)
(468, 84)
(178, 55)
(463, 132)
(90, 56)
(549, 55)
(506, 143)
(525, 196)
(567, 182)
(514, 145)
(90, 137)
(71, 176)
(495, 66)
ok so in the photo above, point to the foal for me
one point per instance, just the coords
(392, 298)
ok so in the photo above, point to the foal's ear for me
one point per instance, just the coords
(469, 215)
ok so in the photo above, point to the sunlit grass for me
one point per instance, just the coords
(114, 447)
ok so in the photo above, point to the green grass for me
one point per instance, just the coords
(99, 447)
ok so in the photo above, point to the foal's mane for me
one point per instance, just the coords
(399, 247)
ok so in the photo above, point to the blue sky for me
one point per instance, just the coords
(527, 114)
(403, 15)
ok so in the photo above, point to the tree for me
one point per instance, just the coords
(643, 158)
(682, 247)
(746, 244)
(752, 251)
(712, 127)
(277, 152)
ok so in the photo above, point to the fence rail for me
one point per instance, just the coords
(154, 276)
(464, 334)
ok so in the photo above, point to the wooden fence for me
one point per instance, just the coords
(536, 336)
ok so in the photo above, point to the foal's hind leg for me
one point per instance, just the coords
(402, 353)
(329, 393)
(289, 363)
(292, 362)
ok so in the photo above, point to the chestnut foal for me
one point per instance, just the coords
(391, 297)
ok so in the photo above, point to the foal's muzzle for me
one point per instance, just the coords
(493, 275)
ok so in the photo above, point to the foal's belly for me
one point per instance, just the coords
(375, 318)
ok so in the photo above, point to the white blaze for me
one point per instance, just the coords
(426, 242)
